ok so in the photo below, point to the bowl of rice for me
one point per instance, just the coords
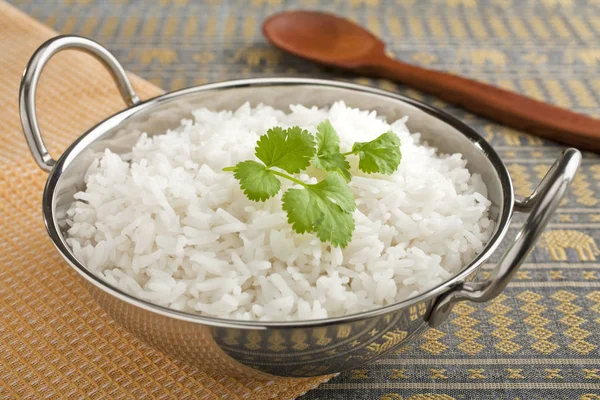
(173, 250)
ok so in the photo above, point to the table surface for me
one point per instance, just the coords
(540, 338)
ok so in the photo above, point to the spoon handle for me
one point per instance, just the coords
(497, 104)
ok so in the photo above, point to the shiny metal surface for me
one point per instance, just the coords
(29, 84)
(298, 348)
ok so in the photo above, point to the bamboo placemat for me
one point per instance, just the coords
(55, 342)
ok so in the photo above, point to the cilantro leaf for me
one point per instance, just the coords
(335, 227)
(334, 162)
(329, 157)
(335, 188)
(328, 140)
(256, 180)
(379, 155)
(290, 149)
(325, 208)
(301, 209)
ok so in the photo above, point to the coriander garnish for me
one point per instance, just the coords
(325, 207)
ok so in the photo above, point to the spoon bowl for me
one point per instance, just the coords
(323, 38)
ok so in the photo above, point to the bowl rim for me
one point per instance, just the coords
(49, 197)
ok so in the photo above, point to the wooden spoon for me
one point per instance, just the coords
(337, 42)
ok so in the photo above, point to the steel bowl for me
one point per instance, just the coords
(266, 350)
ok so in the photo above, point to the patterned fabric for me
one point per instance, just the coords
(540, 338)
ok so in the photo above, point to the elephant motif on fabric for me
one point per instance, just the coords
(558, 241)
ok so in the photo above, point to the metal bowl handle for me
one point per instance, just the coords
(541, 206)
(30, 80)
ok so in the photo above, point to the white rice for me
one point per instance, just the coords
(165, 224)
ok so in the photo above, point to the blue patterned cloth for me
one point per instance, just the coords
(540, 338)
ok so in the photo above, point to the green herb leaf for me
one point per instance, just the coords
(380, 155)
(302, 209)
(335, 227)
(257, 182)
(290, 149)
(325, 208)
(334, 187)
(329, 157)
